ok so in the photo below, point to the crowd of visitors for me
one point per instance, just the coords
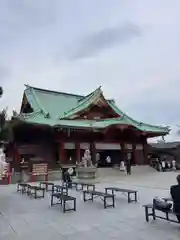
(163, 165)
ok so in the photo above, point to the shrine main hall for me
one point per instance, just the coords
(56, 128)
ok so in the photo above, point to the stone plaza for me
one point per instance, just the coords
(22, 217)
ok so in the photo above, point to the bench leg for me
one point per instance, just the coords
(74, 204)
(64, 206)
(154, 214)
(84, 196)
(135, 195)
(105, 205)
(129, 198)
(146, 214)
(35, 194)
(110, 205)
(113, 200)
(51, 200)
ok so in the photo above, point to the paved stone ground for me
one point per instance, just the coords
(25, 218)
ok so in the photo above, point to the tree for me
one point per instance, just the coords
(3, 113)
(1, 91)
(5, 127)
(3, 118)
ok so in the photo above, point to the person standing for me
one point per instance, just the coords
(128, 166)
(173, 165)
(175, 194)
(163, 165)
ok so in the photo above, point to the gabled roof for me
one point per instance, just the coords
(85, 103)
(52, 108)
(52, 102)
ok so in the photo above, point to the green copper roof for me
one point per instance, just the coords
(39, 118)
(54, 103)
(84, 103)
(50, 108)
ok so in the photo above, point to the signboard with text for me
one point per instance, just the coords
(40, 169)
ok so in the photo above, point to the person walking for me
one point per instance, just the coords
(128, 166)
(174, 165)
(163, 165)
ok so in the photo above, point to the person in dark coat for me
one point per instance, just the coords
(67, 179)
(175, 193)
(128, 166)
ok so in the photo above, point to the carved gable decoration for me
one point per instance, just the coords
(99, 109)
(100, 102)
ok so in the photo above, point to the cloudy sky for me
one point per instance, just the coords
(129, 47)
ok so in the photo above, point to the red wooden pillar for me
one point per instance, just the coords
(78, 152)
(33, 177)
(16, 155)
(61, 152)
(134, 154)
(9, 174)
(122, 145)
(145, 151)
(93, 152)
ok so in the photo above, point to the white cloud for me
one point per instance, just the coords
(143, 74)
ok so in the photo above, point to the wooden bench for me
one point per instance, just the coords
(60, 189)
(129, 192)
(63, 199)
(34, 190)
(22, 187)
(150, 211)
(103, 196)
(46, 185)
(85, 186)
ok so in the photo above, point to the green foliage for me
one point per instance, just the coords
(5, 126)
(1, 91)
(3, 118)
